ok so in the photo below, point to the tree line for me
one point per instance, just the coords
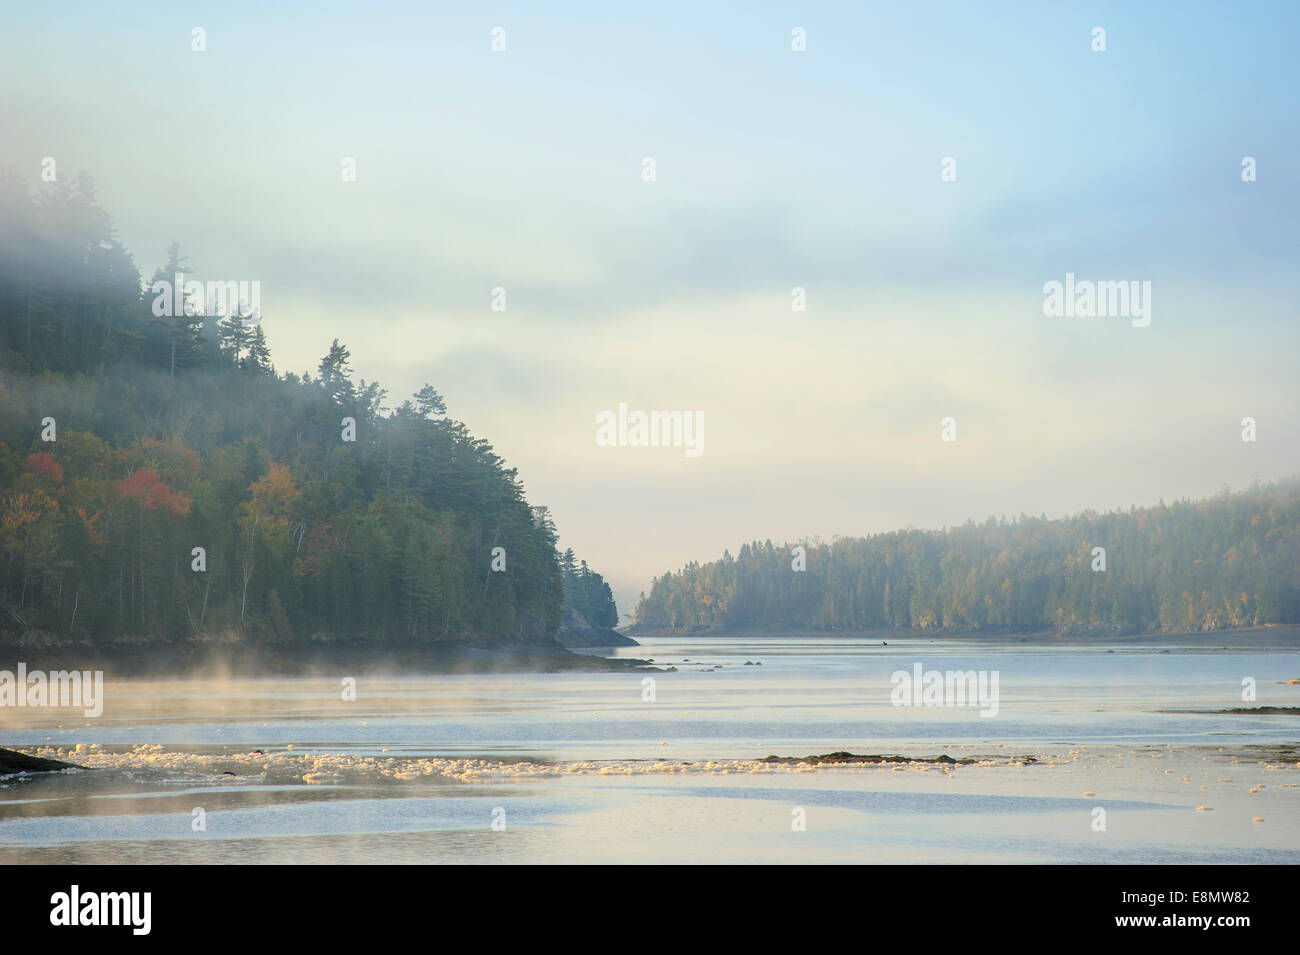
(192, 493)
(1232, 560)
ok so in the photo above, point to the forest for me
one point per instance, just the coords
(587, 593)
(162, 483)
(1232, 560)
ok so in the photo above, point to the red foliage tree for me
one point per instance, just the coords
(153, 493)
(44, 467)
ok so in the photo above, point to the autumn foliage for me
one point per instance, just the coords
(43, 466)
(152, 493)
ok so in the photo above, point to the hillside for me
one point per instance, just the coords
(162, 483)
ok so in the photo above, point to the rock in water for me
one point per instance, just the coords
(11, 762)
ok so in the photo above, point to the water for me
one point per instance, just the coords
(585, 767)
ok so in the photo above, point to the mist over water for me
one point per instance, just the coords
(583, 766)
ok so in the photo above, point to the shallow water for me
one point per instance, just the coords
(585, 767)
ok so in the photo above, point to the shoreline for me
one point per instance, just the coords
(324, 659)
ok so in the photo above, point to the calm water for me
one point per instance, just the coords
(587, 767)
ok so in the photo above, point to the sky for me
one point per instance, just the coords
(523, 169)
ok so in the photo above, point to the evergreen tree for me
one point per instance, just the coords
(179, 312)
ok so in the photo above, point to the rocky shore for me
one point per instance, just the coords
(576, 631)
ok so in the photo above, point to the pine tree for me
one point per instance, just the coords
(334, 374)
(259, 354)
(183, 332)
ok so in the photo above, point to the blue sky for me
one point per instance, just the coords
(775, 169)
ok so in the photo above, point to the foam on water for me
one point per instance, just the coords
(313, 767)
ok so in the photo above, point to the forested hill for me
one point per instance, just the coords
(175, 434)
(1229, 561)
